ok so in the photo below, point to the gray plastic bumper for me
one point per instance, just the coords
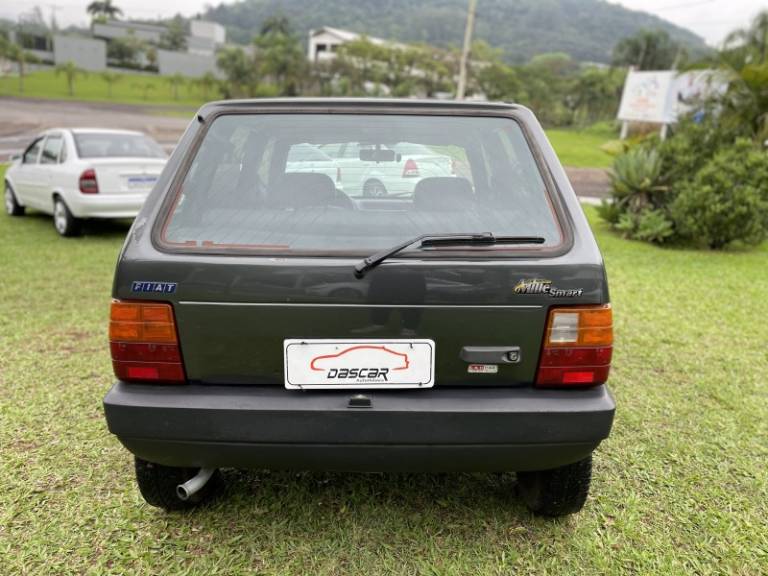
(442, 429)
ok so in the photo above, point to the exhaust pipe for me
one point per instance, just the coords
(195, 484)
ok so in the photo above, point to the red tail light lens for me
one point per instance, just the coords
(578, 347)
(411, 169)
(143, 342)
(88, 183)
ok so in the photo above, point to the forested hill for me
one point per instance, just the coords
(586, 29)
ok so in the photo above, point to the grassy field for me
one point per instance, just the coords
(581, 148)
(680, 487)
(130, 89)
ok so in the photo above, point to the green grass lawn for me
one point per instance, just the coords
(130, 89)
(581, 148)
(680, 487)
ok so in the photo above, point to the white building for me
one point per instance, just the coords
(324, 42)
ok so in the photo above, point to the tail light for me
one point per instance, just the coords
(578, 346)
(143, 342)
(411, 169)
(88, 183)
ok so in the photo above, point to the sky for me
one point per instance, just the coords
(711, 19)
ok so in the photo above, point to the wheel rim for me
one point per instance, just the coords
(60, 217)
(9, 202)
(375, 188)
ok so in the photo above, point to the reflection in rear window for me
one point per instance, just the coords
(351, 184)
(117, 145)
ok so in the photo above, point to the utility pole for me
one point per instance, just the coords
(462, 87)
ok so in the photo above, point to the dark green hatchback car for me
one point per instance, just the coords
(373, 285)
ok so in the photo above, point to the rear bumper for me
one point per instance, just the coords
(486, 429)
(106, 205)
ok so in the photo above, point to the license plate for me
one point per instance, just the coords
(347, 364)
(135, 182)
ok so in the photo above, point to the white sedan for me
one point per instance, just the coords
(82, 173)
(397, 175)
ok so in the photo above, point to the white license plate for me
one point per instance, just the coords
(140, 182)
(359, 364)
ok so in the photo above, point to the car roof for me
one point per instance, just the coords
(356, 103)
(101, 131)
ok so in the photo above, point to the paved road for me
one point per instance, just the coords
(21, 119)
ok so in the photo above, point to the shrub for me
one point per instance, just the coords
(636, 180)
(727, 200)
(648, 225)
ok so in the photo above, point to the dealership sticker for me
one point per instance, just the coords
(483, 368)
(359, 363)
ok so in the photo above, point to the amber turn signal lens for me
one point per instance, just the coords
(142, 322)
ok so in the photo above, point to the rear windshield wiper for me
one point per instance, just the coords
(484, 238)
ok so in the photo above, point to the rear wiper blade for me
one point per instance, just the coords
(483, 238)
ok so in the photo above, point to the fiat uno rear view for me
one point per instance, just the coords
(362, 285)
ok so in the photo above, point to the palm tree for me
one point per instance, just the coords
(71, 72)
(753, 40)
(111, 78)
(21, 57)
(103, 10)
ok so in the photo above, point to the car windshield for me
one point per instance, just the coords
(116, 144)
(352, 184)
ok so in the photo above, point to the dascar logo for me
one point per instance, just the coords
(360, 363)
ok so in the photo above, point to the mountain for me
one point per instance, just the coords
(585, 29)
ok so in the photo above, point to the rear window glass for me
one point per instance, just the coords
(108, 145)
(351, 184)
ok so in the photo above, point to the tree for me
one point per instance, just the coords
(126, 50)
(111, 78)
(17, 54)
(279, 56)
(206, 83)
(71, 72)
(753, 40)
(102, 10)
(276, 25)
(146, 87)
(175, 36)
(647, 50)
(238, 70)
(175, 81)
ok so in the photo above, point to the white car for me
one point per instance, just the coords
(382, 175)
(82, 173)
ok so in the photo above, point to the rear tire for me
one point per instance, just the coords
(12, 206)
(63, 221)
(556, 492)
(374, 189)
(157, 484)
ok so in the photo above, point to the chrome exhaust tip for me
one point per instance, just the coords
(195, 484)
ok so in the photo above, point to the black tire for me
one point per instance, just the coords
(12, 206)
(374, 189)
(157, 484)
(556, 492)
(63, 221)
